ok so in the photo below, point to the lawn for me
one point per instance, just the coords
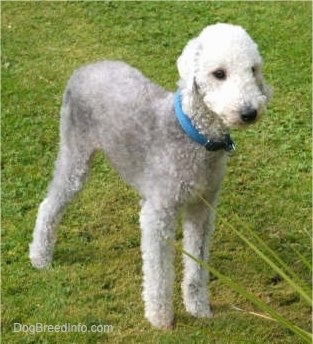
(95, 278)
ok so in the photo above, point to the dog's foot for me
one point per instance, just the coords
(160, 319)
(198, 305)
(199, 310)
(196, 301)
(39, 258)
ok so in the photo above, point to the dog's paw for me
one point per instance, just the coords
(162, 320)
(199, 309)
(200, 312)
(40, 259)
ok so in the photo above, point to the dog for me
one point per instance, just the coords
(171, 147)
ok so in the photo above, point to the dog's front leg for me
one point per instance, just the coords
(158, 226)
(198, 225)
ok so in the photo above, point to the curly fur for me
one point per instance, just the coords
(112, 106)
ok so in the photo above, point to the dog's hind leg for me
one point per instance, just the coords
(70, 172)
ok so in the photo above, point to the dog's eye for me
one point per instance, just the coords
(220, 74)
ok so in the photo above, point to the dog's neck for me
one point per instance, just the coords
(207, 122)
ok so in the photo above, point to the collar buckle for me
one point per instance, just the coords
(228, 144)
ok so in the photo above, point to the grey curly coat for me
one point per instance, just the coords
(112, 106)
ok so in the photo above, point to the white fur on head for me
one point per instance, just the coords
(215, 36)
(228, 49)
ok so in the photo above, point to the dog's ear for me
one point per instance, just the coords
(195, 86)
(264, 88)
(267, 91)
(188, 61)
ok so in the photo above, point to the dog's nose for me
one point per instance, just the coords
(249, 115)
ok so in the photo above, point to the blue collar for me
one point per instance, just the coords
(185, 122)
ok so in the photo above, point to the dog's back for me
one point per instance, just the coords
(112, 106)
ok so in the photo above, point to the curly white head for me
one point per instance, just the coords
(225, 64)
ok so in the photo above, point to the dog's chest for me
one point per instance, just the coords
(203, 172)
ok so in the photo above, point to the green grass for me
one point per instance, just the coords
(96, 274)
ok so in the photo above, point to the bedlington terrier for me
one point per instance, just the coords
(172, 147)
